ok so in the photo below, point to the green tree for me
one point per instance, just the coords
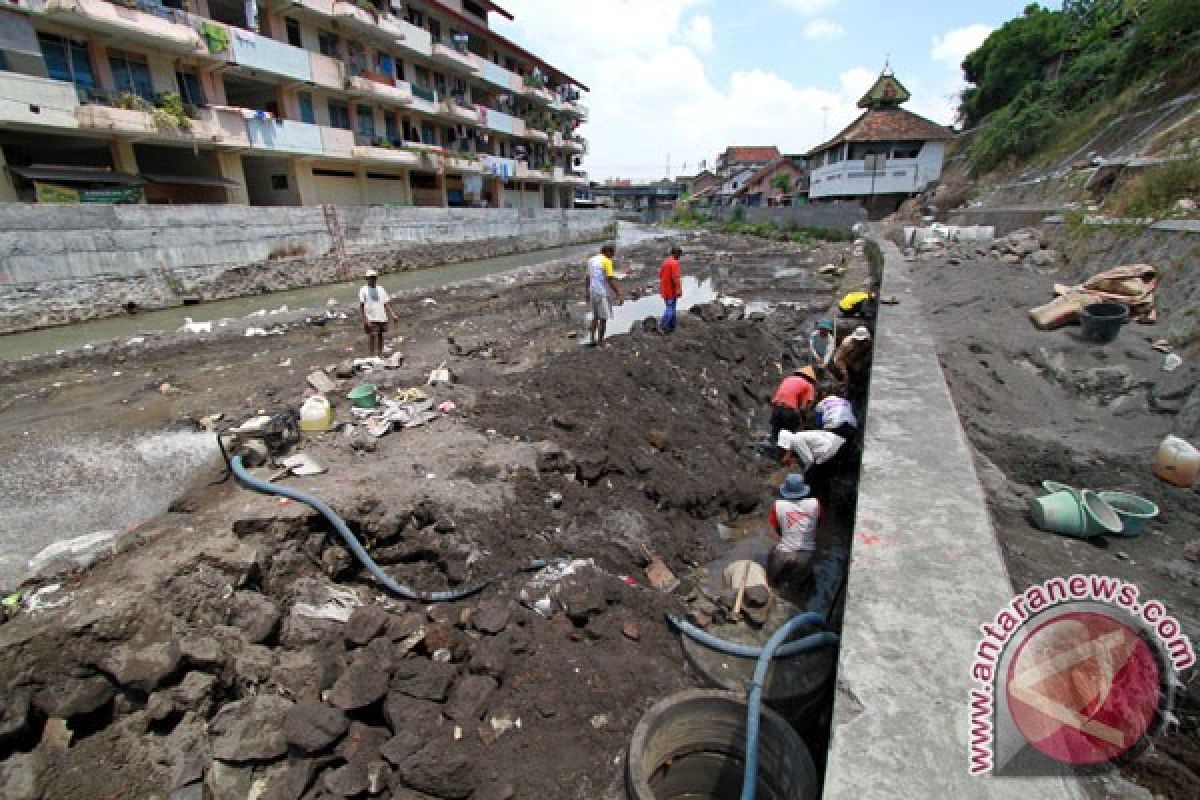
(1010, 59)
(782, 181)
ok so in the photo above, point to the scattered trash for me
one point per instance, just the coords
(1177, 462)
(377, 427)
(1132, 285)
(287, 362)
(394, 361)
(256, 331)
(1171, 362)
(363, 396)
(136, 340)
(630, 630)
(410, 395)
(77, 552)
(302, 464)
(316, 414)
(429, 301)
(446, 407)
(321, 381)
(1162, 345)
(253, 425)
(439, 375)
(13, 600)
(599, 721)
(441, 655)
(338, 604)
(195, 327)
(368, 364)
(209, 422)
(554, 500)
(46, 598)
(166, 388)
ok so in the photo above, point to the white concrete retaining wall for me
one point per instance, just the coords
(67, 263)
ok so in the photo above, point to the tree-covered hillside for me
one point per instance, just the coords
(1034, 77)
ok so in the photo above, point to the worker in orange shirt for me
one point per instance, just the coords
(795, 395)
(670, 286)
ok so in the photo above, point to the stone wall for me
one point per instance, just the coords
(840, 216)
(61, 264)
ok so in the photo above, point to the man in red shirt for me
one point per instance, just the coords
(670, 286)
(795, 395)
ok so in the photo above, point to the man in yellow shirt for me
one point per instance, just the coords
(600, 282)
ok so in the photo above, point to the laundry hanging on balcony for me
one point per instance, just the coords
(216, 36)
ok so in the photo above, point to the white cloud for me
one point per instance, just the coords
(823, 29)
(650, 94)
(953, 46)
(807, 6)
(699, 33)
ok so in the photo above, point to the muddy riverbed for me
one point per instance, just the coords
(233, 643)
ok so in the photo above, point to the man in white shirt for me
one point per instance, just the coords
(376, 308)
(600, 280)
(794, 519)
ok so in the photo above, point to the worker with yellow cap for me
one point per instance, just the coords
(795, 395)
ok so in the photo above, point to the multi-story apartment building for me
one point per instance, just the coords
(281, 102)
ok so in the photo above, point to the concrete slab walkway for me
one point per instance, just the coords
(926, 572)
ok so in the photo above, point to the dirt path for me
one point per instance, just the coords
(1046, 405)
(189, 658)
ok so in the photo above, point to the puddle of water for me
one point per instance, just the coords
(50, 491)
(695, 293)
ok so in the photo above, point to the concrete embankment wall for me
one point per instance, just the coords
(61, 264)
(925, 572)
(1004, 220)
(840, 216)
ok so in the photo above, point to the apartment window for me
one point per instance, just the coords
(293, 33)
(428, 133)
(67, 60)
(423, 180)
(907, 150)
(400, 70)
(366, 121)
(305, 101)
(190, 88)
(422, 76)
(435, 29)
(339, 115)
(327, 43)
(415, 18)
(385, 64)
(390, 129)
(131, 74)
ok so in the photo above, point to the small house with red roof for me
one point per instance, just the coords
(881, 158)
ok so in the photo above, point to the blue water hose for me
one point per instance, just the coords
(754, 700)
(360, 552)
(806, 619)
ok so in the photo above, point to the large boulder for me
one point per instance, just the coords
(252, 729)
(312, 727)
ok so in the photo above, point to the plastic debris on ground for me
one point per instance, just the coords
(540, 593)
(302, 464)
(320, 381)
(446, 407)
(1171, 362)
(331, 603)
(46, 598)
(189, 326)
(439, 375)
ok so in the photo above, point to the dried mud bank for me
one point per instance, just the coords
(233, 648)
(1042, 405)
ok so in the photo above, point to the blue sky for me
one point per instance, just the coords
(688, 77)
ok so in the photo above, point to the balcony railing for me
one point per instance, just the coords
(28, 99)
(144, 21)
(455, 55)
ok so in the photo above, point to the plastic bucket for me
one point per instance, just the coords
(1050, 487)
(1102, 321)
(363, 395)
(1134, 511)
(1100, 517)
(1058, 512)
